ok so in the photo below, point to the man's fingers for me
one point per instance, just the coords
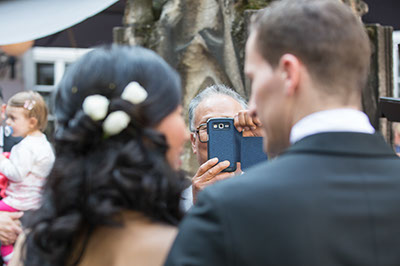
(206, 166)
(240, 121)
(209, 177)
(215, 179)
(223, 176)
(250, 122)
(244, 120)
(211, 173)
(236, 123)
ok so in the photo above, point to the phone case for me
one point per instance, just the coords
(223, 141)
(251, 152)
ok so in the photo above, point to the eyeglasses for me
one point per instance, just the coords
(201, 131)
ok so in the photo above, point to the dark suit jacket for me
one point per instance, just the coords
(330, 199)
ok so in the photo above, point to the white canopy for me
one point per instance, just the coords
(24, 20)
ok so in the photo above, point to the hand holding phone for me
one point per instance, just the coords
(247, 124)
(226, 143)
(223, 141)
(208, 173)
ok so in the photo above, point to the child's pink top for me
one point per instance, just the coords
(30, 162)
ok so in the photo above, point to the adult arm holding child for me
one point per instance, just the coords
(19, 164)
(10, 227)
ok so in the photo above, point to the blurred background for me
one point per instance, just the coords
(40, 39)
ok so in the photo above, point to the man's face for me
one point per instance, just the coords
(268, 99)
(215, 106)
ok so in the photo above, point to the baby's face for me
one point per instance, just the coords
(18, 120)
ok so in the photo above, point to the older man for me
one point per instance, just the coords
(333, 196)
(215, 101)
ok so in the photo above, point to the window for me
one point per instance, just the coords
(44, 68)
(44, 74)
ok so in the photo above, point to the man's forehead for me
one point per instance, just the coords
(218, 105)
(251, 51)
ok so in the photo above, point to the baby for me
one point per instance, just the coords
(30, 160)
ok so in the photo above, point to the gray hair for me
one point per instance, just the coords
(208, 92)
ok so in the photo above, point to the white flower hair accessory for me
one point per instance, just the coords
(115, 123)
(29, 104)
(134, 93)
(96, 106)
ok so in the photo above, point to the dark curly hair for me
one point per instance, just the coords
(94, 177)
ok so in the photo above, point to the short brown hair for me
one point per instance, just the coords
(34, 105)
(324, 34)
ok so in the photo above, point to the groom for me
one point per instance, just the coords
(333, 196)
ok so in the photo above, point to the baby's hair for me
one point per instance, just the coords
(34, 106)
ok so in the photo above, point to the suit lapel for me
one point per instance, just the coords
(343, 143)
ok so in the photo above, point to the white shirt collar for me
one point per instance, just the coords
(335, 120)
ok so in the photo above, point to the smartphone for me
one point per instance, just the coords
(223, 141)
(251, 152)
(390, 108)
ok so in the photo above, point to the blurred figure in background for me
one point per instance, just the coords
(30, 160)
(10, 226)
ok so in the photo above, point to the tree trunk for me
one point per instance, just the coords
(204, 40)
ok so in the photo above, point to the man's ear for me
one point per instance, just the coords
(290, 68)
(193, 141)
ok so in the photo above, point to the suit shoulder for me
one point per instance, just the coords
(261, 177)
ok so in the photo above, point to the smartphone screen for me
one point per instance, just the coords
(223, 141)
